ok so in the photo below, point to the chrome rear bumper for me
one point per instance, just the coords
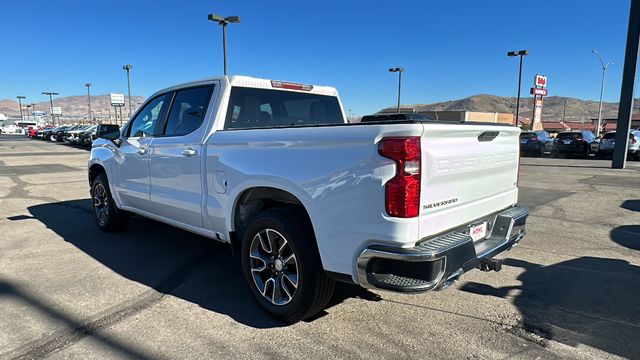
(436, 262)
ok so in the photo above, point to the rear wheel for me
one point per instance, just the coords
(282, 267)
(107, 216)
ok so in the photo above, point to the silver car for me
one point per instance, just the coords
(606, 145)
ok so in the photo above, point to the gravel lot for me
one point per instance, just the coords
(67, 290)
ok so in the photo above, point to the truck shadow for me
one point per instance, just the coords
(169, 260)
(631, 205)
(627, 236)
(587, 300)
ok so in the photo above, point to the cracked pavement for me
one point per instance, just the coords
(69, 291)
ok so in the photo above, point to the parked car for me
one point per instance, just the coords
(87, 136)
(305, 198)
(59, 133)
(573, 143)
(604, 147)
(535, 143)
(73, 135)
(11, 129)
(31, 131)
(47, 133)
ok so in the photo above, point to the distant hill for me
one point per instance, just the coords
(72, 106)
(577, 109)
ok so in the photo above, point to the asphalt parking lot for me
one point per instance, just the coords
(67, 290)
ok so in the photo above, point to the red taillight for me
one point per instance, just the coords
(580, 141)
(633, 141)
(402, 192)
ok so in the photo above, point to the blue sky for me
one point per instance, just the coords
(450, 49)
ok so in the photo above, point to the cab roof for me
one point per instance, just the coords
(247, 81)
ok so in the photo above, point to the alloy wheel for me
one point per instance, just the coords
(100, 204)
(274, 266)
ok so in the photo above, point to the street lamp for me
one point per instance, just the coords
(28, 106)
(50, 102)
(399, 70)
(33, 108)
(520, 53)
(20, 97)
(604, 70)
(128, 68)
(224, 21)
(88, 85)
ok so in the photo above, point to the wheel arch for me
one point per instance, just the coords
(94, 170)
(252, 201)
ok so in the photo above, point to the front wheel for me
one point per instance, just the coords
(282, 267)
(107, 216)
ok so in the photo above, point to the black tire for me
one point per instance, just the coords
(540, 151)
(107, 216)
(293, 234)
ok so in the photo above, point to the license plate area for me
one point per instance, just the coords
(567, 142)
(478, 231)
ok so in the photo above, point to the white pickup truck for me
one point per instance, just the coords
(304, 198)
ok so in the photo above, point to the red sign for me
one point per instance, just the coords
(538, 91)
(540, 80)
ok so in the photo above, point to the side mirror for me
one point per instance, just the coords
(109, 132)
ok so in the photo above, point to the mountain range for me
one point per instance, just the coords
(72, 106)
(576, 109)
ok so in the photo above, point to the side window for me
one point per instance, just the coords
(188, 110)
(144, 124)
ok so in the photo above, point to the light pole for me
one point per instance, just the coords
(50, 102)
(20, 97)
(128, 68)
(399, 70)
(88, 85)
(604, 71)
(28, 106)
(520, 53)
(33, 108)
(224, 21)
(564, 111)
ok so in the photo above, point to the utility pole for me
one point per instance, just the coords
(564, 111)
(51, 103)
(20, 97)
(128, 68)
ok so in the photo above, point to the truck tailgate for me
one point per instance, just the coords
(468, 172)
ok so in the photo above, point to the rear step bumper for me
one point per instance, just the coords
(436, 263)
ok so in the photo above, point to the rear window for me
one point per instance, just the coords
(528, 135)
(609, 136)
(569, 136)
(251, 108)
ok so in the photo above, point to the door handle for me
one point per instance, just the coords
(189, 152)
(142, 151)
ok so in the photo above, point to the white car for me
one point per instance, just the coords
(304, 198)
(607, 144)
(11, 129)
